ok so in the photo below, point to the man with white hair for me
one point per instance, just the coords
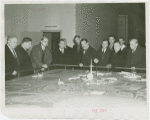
(11, 58)
(136, 56)
(117, 58)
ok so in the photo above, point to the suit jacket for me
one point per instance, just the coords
(36, 56)
(11, 63)
(76, 55)
(106, 56)
(61, 58)
(124, 52)
(117, 59)
(138, 59)
(24, 60)
(70, 55)
(89, 54)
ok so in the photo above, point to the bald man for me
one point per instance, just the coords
(11, 58)
(136, 56)
(117, 58)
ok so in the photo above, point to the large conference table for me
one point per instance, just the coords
(103, 97)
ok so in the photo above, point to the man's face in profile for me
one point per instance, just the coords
(44, 42)
(28, 45)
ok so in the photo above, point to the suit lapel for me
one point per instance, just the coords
(10, 53)
(25, 52)
(136, 52)
(116, 55)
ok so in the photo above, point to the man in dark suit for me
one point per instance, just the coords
(61, 54)
(77, 50)
(123, 47)
(24, 59)
(11, 58)
(103, 54)
(41, 55)
(136, 56)
(117, 58)
(111, 40)
(70, 52)
(88, 53)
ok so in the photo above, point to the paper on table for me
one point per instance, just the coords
(111, 78)
(97, 92)
(73, 78)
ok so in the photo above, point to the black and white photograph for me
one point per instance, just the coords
(74, 60)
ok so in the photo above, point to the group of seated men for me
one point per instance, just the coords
(111, 54)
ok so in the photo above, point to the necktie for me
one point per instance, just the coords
(103, 54)
(43, 55)
(15, 55)
(111, 47)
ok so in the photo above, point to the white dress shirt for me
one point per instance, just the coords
(62, 50)
(85, 49)
(103, 50)
(43, 48)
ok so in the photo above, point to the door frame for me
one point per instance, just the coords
(53, 31)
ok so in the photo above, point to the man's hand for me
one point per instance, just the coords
(96, 60)
(42, 69)
(44, 66)
(132, 68)
(108, 66)
(14, 73)
(81, 65)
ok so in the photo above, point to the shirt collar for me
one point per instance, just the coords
(122, 47)
(117, 51)
(24, 48)
(87, 47)
(43, 48)
(61, 49)
(104, 48)
(10, 47)
(134, 49)
(111, 45)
